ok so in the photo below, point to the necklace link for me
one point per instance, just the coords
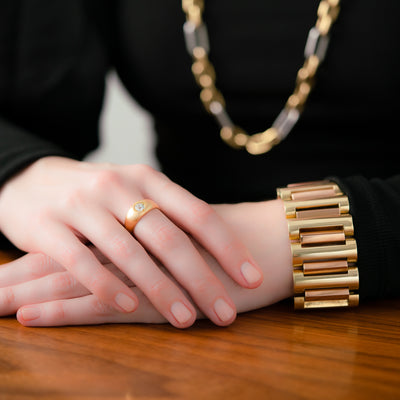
(198, 46)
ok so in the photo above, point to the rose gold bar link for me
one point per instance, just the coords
(286, 193)
(309, 183)
(318, 213)
(327, 294)
(322, 238)
(314, 194)
(325, 267)
(294, 207)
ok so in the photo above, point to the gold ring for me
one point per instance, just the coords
(137, 211)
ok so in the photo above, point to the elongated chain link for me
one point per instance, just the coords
(197, 44)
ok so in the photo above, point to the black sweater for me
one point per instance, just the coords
(55, 54)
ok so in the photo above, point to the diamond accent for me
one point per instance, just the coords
(139, 207)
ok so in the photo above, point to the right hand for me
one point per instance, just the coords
(43, 293)
(58, 206)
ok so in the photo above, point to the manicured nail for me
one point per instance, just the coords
(125, 302)
(181, 312)
(30, 313)
(224, 311)
(250, 273)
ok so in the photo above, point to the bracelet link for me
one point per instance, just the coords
(323, 248)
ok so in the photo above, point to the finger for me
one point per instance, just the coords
(59, 285)
(113, 240)
(177, 253)
(87, 310)
(64, 247)
(26, 268)
(202, 222)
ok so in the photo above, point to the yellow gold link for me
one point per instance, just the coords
(346, 251)
(323, 8)
(209, 95)
(309, 225)
(311, 64)
(204, 72)
(302, 282)
(260, 143)
(334, 3)
(194, 15)
(187, 4)
(234, 136)
(199, 53)
(324, 24)
(326, 8)
(302, 90)
(300, 303)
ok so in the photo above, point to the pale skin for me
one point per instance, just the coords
(190, 261)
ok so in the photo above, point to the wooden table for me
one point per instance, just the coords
(273, 353)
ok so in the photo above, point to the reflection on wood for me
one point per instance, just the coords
(273, 353)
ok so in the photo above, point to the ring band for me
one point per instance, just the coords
(137, 211)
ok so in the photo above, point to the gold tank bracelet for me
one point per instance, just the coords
(323, 247)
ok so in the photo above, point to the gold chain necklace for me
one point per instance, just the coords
(197, 44)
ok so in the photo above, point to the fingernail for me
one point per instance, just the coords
(250, 273)
(30, 313)
(125, 302)
(181, 312)
(224, 311)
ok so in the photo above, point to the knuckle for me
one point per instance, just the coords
(100, 284)
(63, 283)
(229, 248)
(143, 170)
(41, 217)
(203, 286)
(122, 247)
(7, 297)
(201, 212)
(100, 308)
(72, 256)
(167, 237)
(102, 180)
(40, 265)
(73, 199)
(143, 173)
(158, 288)
(56, 311)
(107, 165)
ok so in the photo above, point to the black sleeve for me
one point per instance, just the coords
(375, 207)
(19, 148)
(53, 63)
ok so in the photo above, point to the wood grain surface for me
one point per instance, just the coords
(272, 353)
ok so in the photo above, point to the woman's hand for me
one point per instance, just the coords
(57, 206)
(45, 294)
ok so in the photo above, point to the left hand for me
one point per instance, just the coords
(44, 293)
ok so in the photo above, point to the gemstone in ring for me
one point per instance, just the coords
(137, 211)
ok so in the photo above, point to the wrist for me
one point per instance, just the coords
(262, 227)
